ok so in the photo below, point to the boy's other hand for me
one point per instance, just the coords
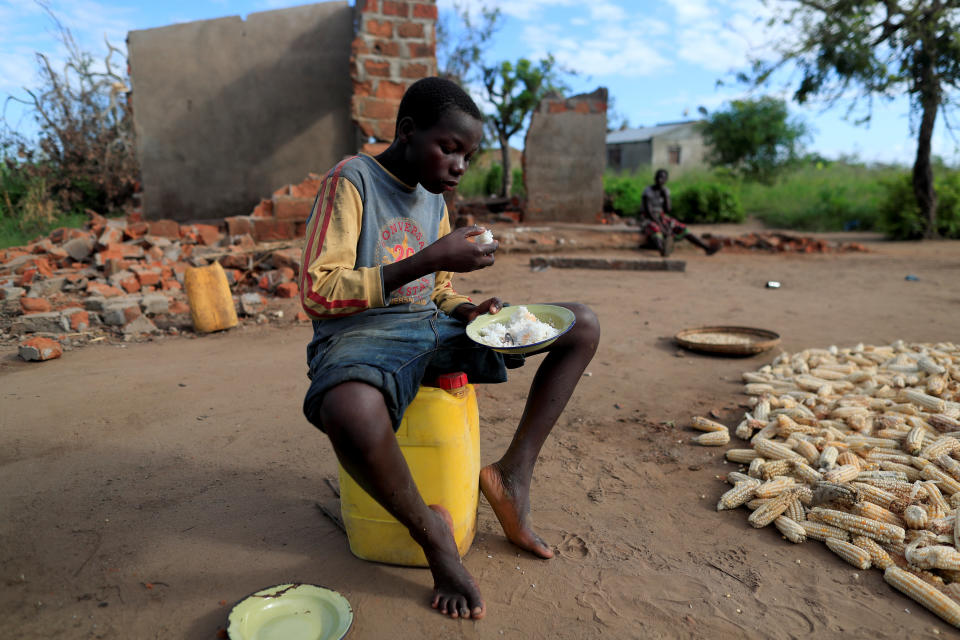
(456, 252)
(468, 312)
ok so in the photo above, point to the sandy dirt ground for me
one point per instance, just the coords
(146, 488)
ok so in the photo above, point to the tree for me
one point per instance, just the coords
(515, 90)
(883, 47)
(459, 49)
(754, 137)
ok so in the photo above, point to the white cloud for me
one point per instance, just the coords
(606, 11)
(612, 51)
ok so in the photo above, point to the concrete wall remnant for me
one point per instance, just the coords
(226, 110)
(395, 45)
(564, 158)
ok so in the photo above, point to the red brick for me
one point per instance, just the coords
(384, 129)
(147, 277)
(178, 307)
(362, 89)
(374, 148)
(282, 191)
(290, 208)
(358, 48)
(26, 276)
(79, 320)
(34, 305)
(391, 8)
(374, 68)
(165, 228)
(379, 109)
(155, 253)
(367, 5)
(300, 230)
(130, 284)
(264, 209)
(289, 258)
(417, 50)
(391, 90)
(170, 285)
(422, 10)
(414, 70)
(235, 261)
(110, 235)
(267, 229)
(306, 189)
(131, 312)
(239, 225)
(598, 106)
(380, 29)
(136, 230)
(557, 107)
(287, 290)
(410, 29)
(40, 349)
(105, 290)
(386, 48)
(582, 107)
(208, 234)
(302, 317)
(44, 267)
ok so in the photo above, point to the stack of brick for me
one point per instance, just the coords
(120, 275)
(283, 216)
(395, 45)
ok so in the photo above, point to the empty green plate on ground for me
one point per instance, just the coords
(291, 612)
(560, 318)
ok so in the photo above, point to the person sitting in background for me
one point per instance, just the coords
(657, 224)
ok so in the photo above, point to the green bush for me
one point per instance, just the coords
(900, 215)
(493, 180)
(518, 189)
(706, 202)
(625, 193)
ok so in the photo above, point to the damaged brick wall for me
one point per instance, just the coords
(564, 158)
(227, 110)
(395, 45)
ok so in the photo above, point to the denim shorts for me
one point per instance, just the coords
(396, 352)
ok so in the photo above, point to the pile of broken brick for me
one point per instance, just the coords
(780, 242)
(122, 278)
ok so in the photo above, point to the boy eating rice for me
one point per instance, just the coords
(376, 280)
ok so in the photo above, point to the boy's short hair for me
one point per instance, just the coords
(659, 171)
(426, 100)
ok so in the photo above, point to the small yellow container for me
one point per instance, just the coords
(211, 303)
(440, 439)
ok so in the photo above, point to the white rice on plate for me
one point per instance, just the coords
(522, 329)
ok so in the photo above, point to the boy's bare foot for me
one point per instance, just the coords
(512, 511)
(454, 592)
(713, 248)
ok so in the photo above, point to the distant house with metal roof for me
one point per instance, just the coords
(671, 144)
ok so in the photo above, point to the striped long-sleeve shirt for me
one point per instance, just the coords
(363, 218)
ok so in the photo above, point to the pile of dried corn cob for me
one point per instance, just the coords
(859, 448)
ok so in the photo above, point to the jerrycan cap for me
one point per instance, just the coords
(449, 381)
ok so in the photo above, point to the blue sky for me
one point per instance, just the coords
(659, 60)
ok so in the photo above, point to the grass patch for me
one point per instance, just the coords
(13, 235)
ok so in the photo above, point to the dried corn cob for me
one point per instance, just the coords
(755, 467)
(744, 456)
(775, 468)
(843, 473)
(808, 450)
(938, 506)
(738, 495)
(943, 446)
(931, 403)
(947, 484)
(735, 476)
(876, 512)
(768, 512)
(795, 511)
(790, 529)
(933, 557)
(828, 457)
(705, 424)
(713, 438)
(744, 429)
(949, 465)
(915, 517)
(849, 458)
(914, 441)
(909, 472)
(774, 450)
(878, 557)
(853, 554)
(775, 486)
(858, 525)
(806, 473)
(822, 531)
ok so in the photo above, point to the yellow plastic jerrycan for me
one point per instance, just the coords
(439, 437)
(211, 303)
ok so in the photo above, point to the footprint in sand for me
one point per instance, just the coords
(573, 547)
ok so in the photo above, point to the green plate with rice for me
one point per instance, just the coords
(491, 330)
